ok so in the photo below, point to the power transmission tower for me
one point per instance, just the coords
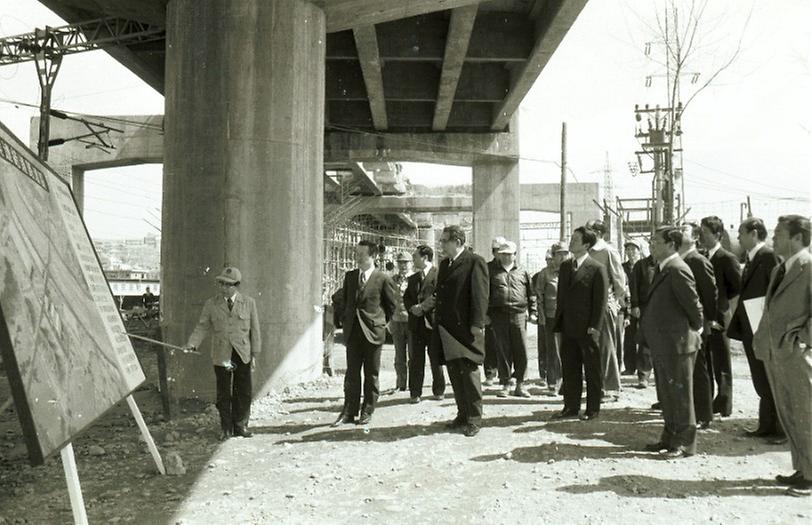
(46, 47)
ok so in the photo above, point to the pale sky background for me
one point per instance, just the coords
(747, 134)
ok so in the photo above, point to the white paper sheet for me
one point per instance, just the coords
(754, 308)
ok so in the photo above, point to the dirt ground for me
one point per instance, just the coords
(406, 468)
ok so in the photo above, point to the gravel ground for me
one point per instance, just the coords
(406, 468)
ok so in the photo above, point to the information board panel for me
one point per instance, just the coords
(62, 339)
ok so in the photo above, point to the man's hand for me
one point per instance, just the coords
(716, 326)
(636, 312)
(534, 319)
(416, 310)
(253, 363)
(476, 331)
(593, 332)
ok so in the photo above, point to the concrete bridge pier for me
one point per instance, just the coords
(496, 202)
(243, 182)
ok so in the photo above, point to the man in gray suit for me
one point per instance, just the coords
(783, 342)
(232, 320)
(671, 328)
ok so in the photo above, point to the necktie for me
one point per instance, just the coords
(363, 279)
(230, 303)
(782, 271)
(420, 278)
(575, 265)
(746, 265)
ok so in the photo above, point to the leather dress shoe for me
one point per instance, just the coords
(655, 447)
(778, 440)
(414, 400)
(243, 432)
(364, 419)
(703, 425)
(800, 488)
(657, 406)
(675, 453)
(438, 397)
(791, 479)
(471, 430)
(456, 423)
(225, 434)
(758, 433)
(565, 414)
(344, 419)
(588, 416)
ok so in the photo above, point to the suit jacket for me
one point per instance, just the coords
(728, 281)
(237, 329)
(673, 314)
(785, 323)
(702, 270)
(642, 275)
(582, 296)
(422, 294)
(462, 301)
(755, 280)
(373, 305)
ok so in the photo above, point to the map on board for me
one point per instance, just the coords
(62, 340)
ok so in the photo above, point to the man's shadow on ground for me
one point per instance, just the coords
(639, 486)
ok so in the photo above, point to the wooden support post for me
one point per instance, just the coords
(142, 426)
(77, 501)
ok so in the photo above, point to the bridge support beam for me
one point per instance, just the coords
(243, 183)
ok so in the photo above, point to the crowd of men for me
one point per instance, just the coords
(671, 312)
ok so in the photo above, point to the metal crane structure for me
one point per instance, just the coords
(46, 47)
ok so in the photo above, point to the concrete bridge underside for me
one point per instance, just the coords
(250, 88)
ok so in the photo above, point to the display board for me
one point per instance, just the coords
(63, 342)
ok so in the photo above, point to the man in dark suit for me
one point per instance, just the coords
(702, 271)
(632, 249)
(369, 303)
(671, 328)
(642, 275)
(728, 284)
(760, 261)
(419, 302)
(460, 310)
(582, 295)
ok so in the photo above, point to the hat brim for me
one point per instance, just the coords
(507, 252)
(227, 280)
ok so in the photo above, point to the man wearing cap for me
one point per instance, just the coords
(491, 366)
(399, 325)
(547, 293)
(512, 299)
(232, 320)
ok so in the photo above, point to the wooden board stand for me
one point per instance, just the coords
(77, 501)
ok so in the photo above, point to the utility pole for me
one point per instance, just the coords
(563, 191)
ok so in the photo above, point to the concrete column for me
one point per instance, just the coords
(426, 235)
(496, 203)
(243, 181)
(78, 186)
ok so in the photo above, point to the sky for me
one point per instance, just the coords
(747, 133)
